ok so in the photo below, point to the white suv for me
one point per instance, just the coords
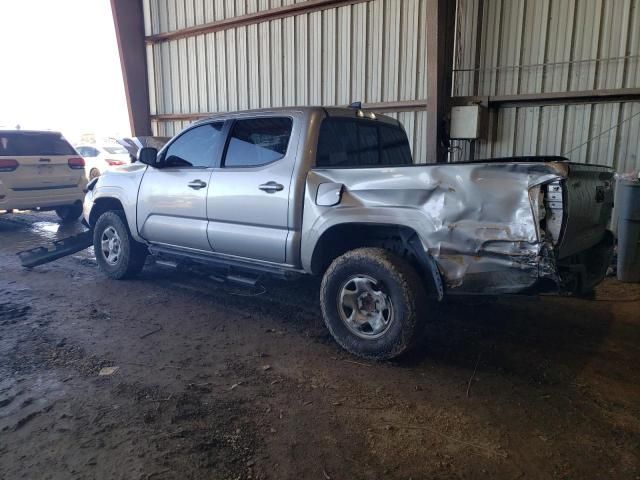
(41, 170)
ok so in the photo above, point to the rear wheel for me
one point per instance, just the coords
(69, 213)
(373, 303)
(117, 253)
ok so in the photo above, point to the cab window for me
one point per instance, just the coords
(258, 141)
(196, 147)
(350, 142)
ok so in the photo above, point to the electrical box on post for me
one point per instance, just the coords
(468, 122)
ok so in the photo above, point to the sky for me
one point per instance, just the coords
(60, 68)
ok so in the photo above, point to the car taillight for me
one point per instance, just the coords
(76, 162)
(8, 165)
(113, 162)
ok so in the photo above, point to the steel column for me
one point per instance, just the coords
(440, 34)
(128, 19)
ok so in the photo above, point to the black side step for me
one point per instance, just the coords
(61, 248)
(233, 267)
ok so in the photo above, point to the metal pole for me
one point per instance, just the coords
(440, 34)
(128, 19)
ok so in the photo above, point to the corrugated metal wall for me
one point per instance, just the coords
(376, 52)
(373, 52)
(536, 46)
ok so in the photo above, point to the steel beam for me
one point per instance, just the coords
(440, 33)
(128, 19)
(251, 18)
(553, 98)
(382, 107)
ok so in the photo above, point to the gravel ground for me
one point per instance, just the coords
(213, 381)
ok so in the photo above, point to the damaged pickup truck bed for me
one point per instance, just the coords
(334, 192)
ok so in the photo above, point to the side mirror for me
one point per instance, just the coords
(148, 156)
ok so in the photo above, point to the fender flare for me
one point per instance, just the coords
(427, 262)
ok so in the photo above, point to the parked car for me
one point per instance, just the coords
(40, 170)
(334, 192)
(99, 158)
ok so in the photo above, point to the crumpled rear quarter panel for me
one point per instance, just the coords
(474, 219)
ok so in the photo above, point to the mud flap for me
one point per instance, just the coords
(60, 248)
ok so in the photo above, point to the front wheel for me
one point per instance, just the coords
(373, 303)
(117, 253)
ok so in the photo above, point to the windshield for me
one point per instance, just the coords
(115, 150)
(33, 144)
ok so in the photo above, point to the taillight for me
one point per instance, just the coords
(76, 162)
(8, 165)
(113, 162)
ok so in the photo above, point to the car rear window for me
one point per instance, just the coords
(23, 144)
(116, 150)
(351, 142)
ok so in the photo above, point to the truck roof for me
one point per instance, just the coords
(14, 130)
(328, 111)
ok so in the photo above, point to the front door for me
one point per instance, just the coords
(248, 205)
(172, 202)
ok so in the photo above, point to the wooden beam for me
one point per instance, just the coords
(256, 17)
(128, 20)
(440, 31)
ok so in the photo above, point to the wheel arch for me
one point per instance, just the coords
(102, 205)
(400, 239)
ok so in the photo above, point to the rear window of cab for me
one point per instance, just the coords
(26, 144)
(351, 142)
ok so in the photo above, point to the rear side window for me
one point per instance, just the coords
(26, 144)
(258, 141)
(196, 147)
(347, 142)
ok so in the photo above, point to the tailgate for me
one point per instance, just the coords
(43, 173)
(588, 201)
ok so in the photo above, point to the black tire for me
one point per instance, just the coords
(94, 173)
(69, 213)
(397, 281)
(132, 255)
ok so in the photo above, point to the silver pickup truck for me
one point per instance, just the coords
(334, 192)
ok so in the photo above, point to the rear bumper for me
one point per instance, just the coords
(499, 274)
(581, 272)
(43, 199)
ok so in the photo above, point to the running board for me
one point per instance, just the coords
(228, 263)
(60, 248)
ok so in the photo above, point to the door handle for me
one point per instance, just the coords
(271, 187)
(197, 184)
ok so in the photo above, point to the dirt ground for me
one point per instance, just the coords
(216, 382)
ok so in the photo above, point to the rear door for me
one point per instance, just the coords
(172, 201)
(90, 155)
(248, 203)
(45, 161)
